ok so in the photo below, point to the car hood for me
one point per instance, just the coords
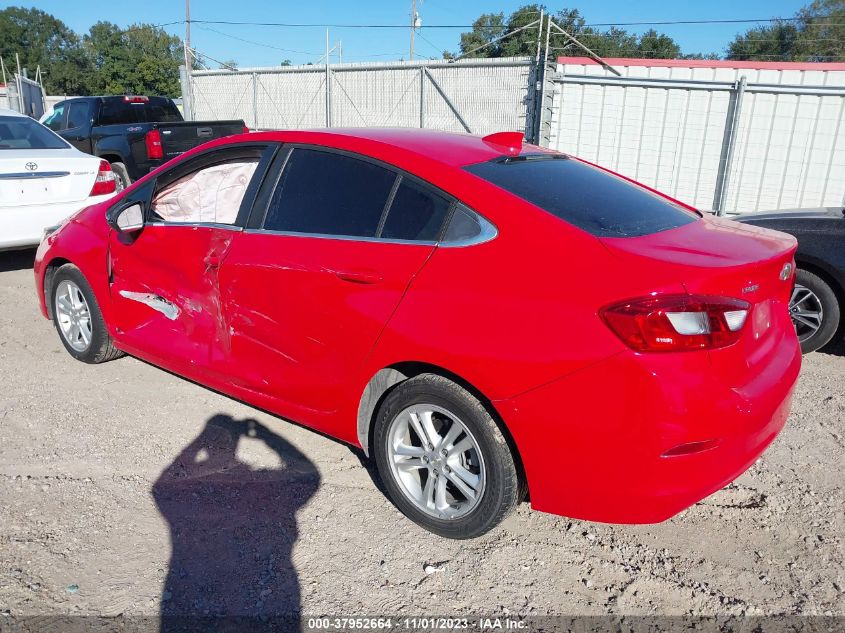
(820, 213)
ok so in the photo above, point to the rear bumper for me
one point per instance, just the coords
(594, 443)
(24, 225)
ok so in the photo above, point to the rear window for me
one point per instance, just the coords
(590, 198)
(118, 111)
(18, 132)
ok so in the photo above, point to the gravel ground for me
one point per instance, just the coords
(104, 468)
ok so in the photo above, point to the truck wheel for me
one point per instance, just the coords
(121, 176)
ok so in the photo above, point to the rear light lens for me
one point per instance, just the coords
(246, 130)
(136, 99)
(154, 148)
(677, 323)
(104, 183)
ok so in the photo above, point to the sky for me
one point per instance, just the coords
(269, 45)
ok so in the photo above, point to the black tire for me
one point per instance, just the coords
(121, 176)
(100, 348)
(830, 308)
(503, 488)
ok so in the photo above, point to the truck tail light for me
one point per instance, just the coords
(154, 148)
(246, 130)
(136, 99)
(105, 182)
(676, 323)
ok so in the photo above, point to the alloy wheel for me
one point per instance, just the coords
(436, 461)
(73, 315)
(806, 311)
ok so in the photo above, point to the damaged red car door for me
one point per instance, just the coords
(164, 285)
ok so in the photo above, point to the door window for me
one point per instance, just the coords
(56, 120)
(78, 114)
(212, 194)
(329, 194)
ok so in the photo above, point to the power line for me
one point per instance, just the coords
(242, 39)
(504, 26)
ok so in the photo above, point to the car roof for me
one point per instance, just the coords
(8, 112)
(449, 148)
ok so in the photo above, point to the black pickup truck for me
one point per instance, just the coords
(135, 134)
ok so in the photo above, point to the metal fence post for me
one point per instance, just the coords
(328, 84)
(422, 96)
(255, 100)
(187, 106)
(728, 144)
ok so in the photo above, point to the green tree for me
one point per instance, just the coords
(773, 42)
(485, 29)
(142, 59)
(816, 35)
(614, 42)
(822, 28)
(42, 40)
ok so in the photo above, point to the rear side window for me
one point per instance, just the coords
(78, 114)
(592, 199)
(329, 194)
(415, 214)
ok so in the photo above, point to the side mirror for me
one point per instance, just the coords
(127, 219)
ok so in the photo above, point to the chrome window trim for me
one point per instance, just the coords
(489, 231)
(345, 238)
(204, 225)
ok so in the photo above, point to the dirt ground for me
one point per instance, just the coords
(104, 468)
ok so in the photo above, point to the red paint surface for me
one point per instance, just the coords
(299, 325)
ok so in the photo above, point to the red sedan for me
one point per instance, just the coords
(484, 318)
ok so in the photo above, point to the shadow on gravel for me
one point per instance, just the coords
(16, 260)
(232, 529)
(837, 346)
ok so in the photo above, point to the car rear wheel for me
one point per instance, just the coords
(814, 309)
(121, 176)
(443, 460)
(78, 319)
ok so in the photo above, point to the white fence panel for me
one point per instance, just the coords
(490, 95)
(666, 127)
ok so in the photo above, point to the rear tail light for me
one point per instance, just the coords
(676, 323)
(104, 183)
(154, 148)
(246, 130)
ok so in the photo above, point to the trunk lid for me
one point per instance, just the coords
(41, 177)
(720, 257)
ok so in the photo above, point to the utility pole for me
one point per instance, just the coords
(413, 25)
(188, 38)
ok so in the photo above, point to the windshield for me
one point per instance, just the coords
(20, 132)
(588, 197)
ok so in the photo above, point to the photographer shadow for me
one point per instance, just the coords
(232, 530)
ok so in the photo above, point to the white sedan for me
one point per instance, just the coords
(43, 180)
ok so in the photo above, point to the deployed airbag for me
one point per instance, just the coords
(213, 194)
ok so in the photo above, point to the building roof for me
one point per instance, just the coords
(705, 63)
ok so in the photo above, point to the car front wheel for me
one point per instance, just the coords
(78, 319)
(814, 309)
(443, 459)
